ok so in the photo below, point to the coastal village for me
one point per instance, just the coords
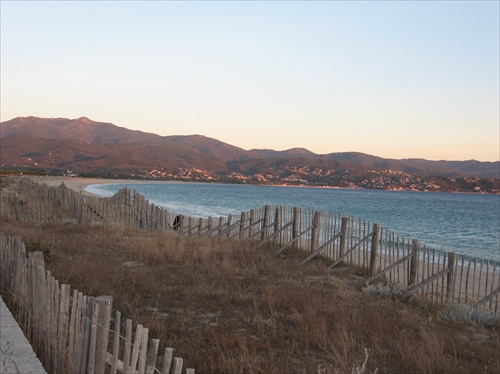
(316, 177)
(87, 148)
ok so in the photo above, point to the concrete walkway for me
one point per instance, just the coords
(16, 353)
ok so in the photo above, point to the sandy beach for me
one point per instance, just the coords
(79, 184)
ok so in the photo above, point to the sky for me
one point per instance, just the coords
(395, 79)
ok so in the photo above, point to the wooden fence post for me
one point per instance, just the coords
(63, 324)
(104, 319)
(127, 347)
(143, 350)
(16, 207)
(295, 227)
(277, 222)
(82, 210)
(151, 356)
(221, 222)
(200, 225)
(415, 247)
(264, 222)
(167, 360)
(228, 223)
(242, 225)
(315, 231)
(252, 220)
(93, 340)
(343, 237)
(116, 343)
(450, 281)
(374, 249)
(210, 223)
(86, 327)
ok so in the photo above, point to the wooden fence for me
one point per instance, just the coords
(71, 332)
(434, 275)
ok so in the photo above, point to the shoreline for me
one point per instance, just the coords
(79, 184)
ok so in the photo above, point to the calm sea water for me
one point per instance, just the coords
(468, 224)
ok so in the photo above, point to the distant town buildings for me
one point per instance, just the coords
(318, 177)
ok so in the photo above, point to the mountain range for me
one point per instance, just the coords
(90, 147)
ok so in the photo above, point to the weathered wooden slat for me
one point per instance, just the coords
(261, 232)
(93, 340)
(315, 231)
(212, 230)
(72, 323)
(55, 320)
(116, 363)
(143, 350)
(116, 345)
(336, 262)
(343, 237)
(415, 250)
(127, 346)
(136, 349)
(461, 279)
(249, 227)
(374, 249)
(63, 324)
(488, 297)
(105, 303)
(450, 281)
(276, 233)
(80, 327)
(415, 288)
(177, 366)
(151, 356)
(382, 272)
(167, 360)
(320, 249)
(228, 229)
(86, 321)
(241, 232)
(293, 241)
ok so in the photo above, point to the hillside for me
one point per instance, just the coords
(86, 130)
(421, 167)
(97, 148)
(80, 156)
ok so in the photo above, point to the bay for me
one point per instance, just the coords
(468, 224)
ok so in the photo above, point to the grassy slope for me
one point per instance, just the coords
(226, 308)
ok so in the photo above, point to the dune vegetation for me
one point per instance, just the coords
(226, 308)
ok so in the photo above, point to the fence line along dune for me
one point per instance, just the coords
(436, 275)
(322, 241)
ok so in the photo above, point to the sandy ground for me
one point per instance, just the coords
(79, 184)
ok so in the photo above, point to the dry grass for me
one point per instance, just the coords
(226, 308)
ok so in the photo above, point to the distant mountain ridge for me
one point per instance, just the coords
(453, 169)
(84, 144)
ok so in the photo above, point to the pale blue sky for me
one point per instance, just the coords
(392, 79)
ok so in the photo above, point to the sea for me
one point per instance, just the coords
(468, 224)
